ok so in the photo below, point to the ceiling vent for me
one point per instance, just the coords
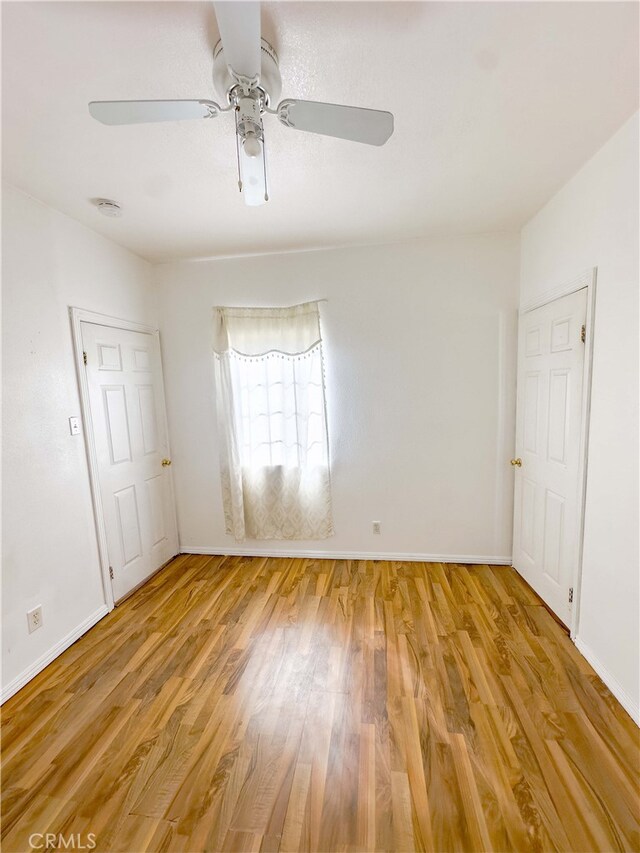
(108, 207)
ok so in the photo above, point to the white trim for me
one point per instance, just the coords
(165, 423)
(612, 683)
(50, 655)
(223, 551)
(79, 316)
(586, 280)
(503, 480)
(585, 416)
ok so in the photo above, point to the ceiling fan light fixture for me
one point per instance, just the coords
(252, 146)
(253, 177)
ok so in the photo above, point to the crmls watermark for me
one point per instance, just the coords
(58, 841)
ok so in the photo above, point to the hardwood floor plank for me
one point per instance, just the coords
(470, 796)
(245, 704)
(403, 836)
(367, 788)
(293, 836)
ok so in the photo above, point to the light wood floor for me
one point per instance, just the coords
(254, 704)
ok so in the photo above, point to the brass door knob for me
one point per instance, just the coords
(166, 462)
(517, 463)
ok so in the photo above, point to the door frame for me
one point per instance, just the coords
(78, 316)
(586, 279)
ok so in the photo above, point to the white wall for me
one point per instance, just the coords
(50, 554)
(420, 351)
(593, 222)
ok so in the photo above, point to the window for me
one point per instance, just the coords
(272, 422)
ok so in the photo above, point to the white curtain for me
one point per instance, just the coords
(274, 456)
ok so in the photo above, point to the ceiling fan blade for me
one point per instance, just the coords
(135, 112)
(373, 127)
(239, 25)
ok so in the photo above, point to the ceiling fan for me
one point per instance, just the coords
(246, 74)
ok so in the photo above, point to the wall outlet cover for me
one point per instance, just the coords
(34, 618)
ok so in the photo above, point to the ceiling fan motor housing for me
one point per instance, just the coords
(270, 80)
(248, 119)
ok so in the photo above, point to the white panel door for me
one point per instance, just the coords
(548, 430)
(124, 376)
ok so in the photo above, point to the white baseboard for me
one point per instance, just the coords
(613, 684)
(51, 654)
(345, 555)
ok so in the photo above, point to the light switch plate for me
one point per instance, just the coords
(74, 426)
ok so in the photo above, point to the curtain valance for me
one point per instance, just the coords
(248, 331)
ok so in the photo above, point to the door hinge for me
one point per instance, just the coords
(111, 573)
(84, 357)
(583, 334)
(570, 595)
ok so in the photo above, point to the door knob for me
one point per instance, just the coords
(166, 462)
(517, 463)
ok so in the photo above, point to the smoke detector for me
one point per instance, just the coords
(107, 207)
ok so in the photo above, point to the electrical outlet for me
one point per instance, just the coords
(376, 526)
(74, 426)
(34, 618)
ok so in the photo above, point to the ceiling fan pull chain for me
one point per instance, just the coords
(235, 113)
(264, 165)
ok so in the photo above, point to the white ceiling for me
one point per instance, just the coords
(496, 105)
